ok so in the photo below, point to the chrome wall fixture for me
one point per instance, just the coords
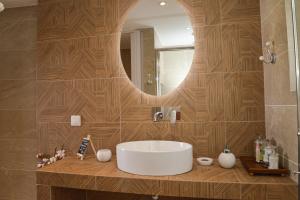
(269, 56)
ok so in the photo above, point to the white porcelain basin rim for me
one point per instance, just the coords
(154, 146)
(155, 158)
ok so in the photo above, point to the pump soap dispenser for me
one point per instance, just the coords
(227, 159)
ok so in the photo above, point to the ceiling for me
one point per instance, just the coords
(18, 3)
(171, 24)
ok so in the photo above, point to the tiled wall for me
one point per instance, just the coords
(80, 72)
(18, 136)
(281, 104)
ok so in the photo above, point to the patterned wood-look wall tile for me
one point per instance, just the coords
(57, 101)
(43, 192)
(253, 192)
(146, 131)
(68, 19)
(278, 192)
(138, 186)
(89, 49)
(104, 135)
(67, 194)
(237, 11)
(66, 180)
(244, 96)
(71, 59)
(241, 46)
(94, 100)
(200, 190)
(241, 135)
(215, 99)
(203, 12)
(94, 195)
(108, 100)
(212, 42)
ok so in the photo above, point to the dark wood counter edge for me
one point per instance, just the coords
(127, 183)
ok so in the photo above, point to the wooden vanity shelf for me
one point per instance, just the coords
(254, 168)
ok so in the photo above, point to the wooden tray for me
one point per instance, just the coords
(254, 168)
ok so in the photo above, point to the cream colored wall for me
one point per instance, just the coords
(281, 104)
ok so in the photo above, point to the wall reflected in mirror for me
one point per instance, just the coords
(157, 46)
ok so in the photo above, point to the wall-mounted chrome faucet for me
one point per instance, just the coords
(158, 116)
(171, 114)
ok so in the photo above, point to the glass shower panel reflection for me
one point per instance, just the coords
(173, 67)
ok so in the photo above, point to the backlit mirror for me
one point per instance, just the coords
(157, 46)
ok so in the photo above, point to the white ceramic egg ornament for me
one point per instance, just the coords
(227, 159)
(104, 155)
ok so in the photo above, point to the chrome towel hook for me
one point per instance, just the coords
(269, 56)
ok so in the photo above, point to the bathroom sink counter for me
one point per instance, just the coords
(211, 182)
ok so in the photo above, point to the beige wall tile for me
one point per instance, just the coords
(17, 124)
(17, 94)
(277, 83)
(18, 185)
(18, 64)
(275, 28)
(281, 108)
(20, 153)
(11, 39)
(17, 103)
(281, 126)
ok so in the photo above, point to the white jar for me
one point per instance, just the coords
(104, 155)
(227, 160)
(274, 161)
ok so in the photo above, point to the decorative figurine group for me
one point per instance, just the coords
(46, 159)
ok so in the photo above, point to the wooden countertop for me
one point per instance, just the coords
(202, 182)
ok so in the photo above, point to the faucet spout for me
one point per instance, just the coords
(158, 116)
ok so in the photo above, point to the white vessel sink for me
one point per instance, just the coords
(155, 158)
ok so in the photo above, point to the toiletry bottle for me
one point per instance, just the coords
(262, 150)
(257, 150)
(274, 161)
(269, 149)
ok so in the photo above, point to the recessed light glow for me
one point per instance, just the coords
(163, 3)
(1, 7)
(188, 28)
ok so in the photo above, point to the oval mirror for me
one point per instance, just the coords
(157, 46)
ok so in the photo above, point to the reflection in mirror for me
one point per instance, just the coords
(157, 46)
